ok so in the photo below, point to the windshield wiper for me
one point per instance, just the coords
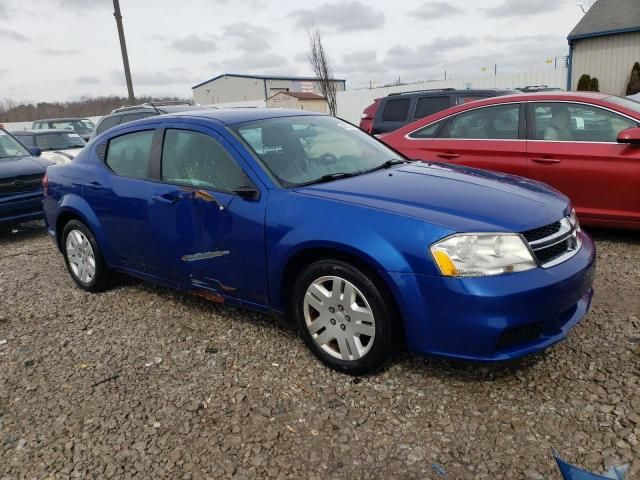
(387, 164)
(329, 177)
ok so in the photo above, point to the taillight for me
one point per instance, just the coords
(366, 116)
(45, 184)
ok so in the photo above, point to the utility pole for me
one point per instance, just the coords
(123, 47)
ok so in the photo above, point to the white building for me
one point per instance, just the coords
(232, 87)
(605, 44)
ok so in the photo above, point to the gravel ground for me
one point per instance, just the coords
(144, 382)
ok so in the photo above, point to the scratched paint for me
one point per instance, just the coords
(212, 296)
(205, 255)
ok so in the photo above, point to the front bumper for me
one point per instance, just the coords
(21, 207)
(496, 318)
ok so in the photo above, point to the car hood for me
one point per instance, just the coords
(460, 198)
(19, 166)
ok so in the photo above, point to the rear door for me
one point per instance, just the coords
(491, 137)
(572, 146)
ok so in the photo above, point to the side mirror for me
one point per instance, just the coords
(248, 192)
(35, 151)
(629, 136)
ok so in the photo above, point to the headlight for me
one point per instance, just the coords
(478, 255)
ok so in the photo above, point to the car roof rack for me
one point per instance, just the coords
(168, 102)
(425, 90)
(124, 108)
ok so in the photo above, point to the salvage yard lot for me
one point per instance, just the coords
(144, 379)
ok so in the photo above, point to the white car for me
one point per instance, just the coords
(59, 146)
(635, 97)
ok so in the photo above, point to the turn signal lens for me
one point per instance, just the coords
(483, 254)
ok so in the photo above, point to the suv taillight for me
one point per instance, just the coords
(45, 184)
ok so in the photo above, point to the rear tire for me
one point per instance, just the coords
(83, 257)
(344, 317)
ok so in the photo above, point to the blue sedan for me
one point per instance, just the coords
(305, 215)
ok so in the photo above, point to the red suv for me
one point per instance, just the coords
(584, 144)
(366, 119)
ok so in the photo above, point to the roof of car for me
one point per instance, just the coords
(61, 119)
(42, 131)
(232, 116)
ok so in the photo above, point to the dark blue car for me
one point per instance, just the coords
(305, 215)
(21, 174)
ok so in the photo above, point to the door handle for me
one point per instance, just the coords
(166, 198)
(545, 160)
(94, 185)
(448, 155)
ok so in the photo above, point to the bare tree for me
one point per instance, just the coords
(322, 69)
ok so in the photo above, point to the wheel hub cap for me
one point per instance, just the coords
(80, 256)
(339, 318)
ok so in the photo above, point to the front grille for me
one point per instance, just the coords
(552, 242)
(25, 183)
(542, 232)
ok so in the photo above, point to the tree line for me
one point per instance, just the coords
(12, 111)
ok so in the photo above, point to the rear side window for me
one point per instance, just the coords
(128, 155)
(26, 140)
(430, 131)
(499, 122)
(107, 123)
(429, 105)
(198, 160)
(396, 110)
(130, 117)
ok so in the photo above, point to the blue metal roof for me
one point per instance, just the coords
(232, 116)
(263, 77)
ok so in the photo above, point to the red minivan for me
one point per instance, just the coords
(586, 145)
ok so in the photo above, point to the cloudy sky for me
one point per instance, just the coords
(64, 49)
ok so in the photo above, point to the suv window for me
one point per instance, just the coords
(396, 110)
(429, 105)
(498, 122)
(198, 160)
(128, 155)
(108, 122)
(130, 117)
(575, 122)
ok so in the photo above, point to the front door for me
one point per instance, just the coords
(209, 239)
(573, 147)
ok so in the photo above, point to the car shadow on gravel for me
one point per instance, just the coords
(600, 234)
(23, 232)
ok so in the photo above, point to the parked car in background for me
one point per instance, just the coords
(129, 113)
(398, 109)
(59, 146)
(21, 176)
(366, 119)
(280, 210)
(539, 88)
(586, 145)
(635, 98)
(82, 126)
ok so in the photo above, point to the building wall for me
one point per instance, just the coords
(609, 58)
(352, 102)
(286, 101)
(240, 89)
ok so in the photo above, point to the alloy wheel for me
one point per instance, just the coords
(81, 258)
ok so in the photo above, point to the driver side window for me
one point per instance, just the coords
(197, 160)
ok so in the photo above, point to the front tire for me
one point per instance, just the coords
(83, 257)
(344, 317)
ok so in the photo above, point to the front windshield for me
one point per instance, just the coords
(59, 141)
(10, 147)
(81, 126)
(625, 102)
(303, 149)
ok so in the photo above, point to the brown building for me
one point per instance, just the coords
(298, 100)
